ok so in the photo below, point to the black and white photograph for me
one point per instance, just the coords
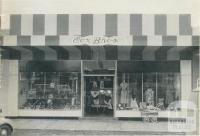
(99, 67)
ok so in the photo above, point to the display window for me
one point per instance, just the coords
(56, 90)
(129, 91)
(140, 90)
(169, 89)
(144, 88)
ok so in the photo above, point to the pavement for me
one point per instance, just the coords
(76, 127)
(86, 133)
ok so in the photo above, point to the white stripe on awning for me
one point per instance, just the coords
(172, 24)
(27, 24)
(99, 25)
(74, 24)
(123, 24)
(184, 41)
(50, 24)
(148, 25)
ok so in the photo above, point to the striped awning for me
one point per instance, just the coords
(98, 29)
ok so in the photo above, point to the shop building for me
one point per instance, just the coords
(93, 65)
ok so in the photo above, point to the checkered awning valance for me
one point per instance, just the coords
(98, 29)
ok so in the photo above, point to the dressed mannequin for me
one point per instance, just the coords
(108, 99)
(95, 93)
(149, 96)
(94, 86)
(124, 93)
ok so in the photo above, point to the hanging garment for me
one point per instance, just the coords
(124, 93)
(108, 102)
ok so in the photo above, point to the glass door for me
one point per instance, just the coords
(99, 95)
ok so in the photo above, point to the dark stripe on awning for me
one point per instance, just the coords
(111, 25)
(86, 52)
(161, 53)
(111, 52)
(62, 54)
(37, 53)
(187, 53)
(9, 53)
(86, 24)
(136, 52)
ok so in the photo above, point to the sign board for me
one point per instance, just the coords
(95, 40)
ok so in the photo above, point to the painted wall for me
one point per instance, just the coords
(4, 87)
(9, 89)
(186, 82)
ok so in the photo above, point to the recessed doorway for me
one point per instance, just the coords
(98, 96)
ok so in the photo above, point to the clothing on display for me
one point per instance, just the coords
(169, 97)
(101, 84)
(124, 93)
(160, 104)
(149, 96)
(134, 104)
(108, 101)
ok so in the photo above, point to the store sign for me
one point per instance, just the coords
(99, 40)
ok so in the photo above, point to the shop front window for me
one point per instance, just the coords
(150, 87)
(156, 90)
(168, 89)
(129, 91)
(56, 90)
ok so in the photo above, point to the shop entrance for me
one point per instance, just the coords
(98, 96)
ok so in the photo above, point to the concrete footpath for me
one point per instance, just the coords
(94, 125)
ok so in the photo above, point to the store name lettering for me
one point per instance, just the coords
(91, 40)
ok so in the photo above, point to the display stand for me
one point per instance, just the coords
(149, 115)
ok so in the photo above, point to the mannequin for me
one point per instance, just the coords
(124, 93)
(149, 96)
(134, 104)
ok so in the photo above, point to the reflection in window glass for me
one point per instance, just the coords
(147, 91)
(49, 90)
(168, 89)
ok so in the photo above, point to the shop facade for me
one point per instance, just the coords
(98, 65)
